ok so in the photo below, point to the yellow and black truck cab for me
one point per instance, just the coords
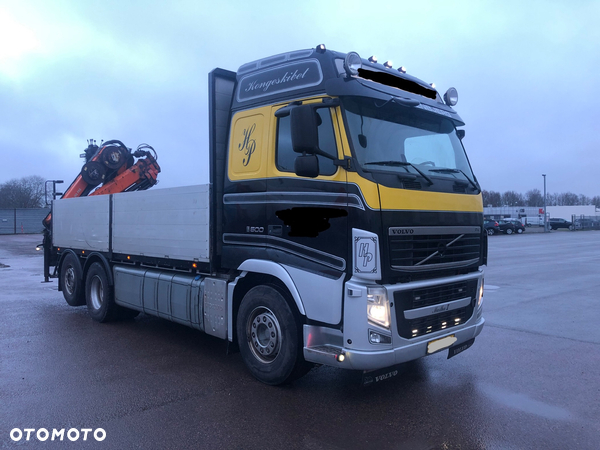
(347, 181)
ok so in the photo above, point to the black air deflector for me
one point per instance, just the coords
(397, 82)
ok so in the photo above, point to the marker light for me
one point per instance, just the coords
(402, 69)
(432, 85)
(38, 248)
(341, 357)
(388, 64)
(480, 300)
(352, 63)
(321, 48)
(451, 97)
(373, 59)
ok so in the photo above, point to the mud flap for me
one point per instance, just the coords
(453, 351)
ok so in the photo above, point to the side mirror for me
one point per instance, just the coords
(307, 166)
(460, 134)
(305, 135)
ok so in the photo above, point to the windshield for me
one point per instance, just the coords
(388, 137)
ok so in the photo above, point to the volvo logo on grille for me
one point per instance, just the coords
(398, 231)
(441, 308)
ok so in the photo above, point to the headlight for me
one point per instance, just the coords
(378, 307)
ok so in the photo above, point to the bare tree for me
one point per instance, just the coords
(491, 198)
(26, 192)
(534, 198)
(596, 201)
(584, 200)
(567, 199)
(512, 198)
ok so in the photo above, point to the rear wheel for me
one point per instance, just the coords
(270, 337)
(520, 230)
(509, 231)
(71, 281)
(99, 295)
(490, 231)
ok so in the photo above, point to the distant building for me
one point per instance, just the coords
(535, 216)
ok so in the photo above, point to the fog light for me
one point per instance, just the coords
(379, 338)
(451, 97)
(352, 63)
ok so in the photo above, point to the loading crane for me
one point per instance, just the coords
(108, 169)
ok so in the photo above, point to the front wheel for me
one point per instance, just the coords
(490, 232)
(270, 337)
(520, 230)
(509, 231)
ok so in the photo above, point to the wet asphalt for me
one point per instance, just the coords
(530, 381)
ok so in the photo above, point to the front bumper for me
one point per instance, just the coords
(351, 349)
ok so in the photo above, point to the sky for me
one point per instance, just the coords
(527, 75)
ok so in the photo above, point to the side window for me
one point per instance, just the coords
(285, 155)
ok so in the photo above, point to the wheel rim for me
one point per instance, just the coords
(70, 280)
(490, 232)
(264, 334)
(96, 292)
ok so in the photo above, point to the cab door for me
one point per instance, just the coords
(307, 218)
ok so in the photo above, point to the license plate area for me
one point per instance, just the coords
(440, 344)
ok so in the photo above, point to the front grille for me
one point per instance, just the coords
(426, 248)
(429, 296)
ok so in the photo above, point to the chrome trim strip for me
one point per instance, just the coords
(422, 231)
(303, 251)
(447, 265)
(298, 198)
(436, 309)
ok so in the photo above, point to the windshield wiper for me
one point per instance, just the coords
(403, 164)
(448, 170)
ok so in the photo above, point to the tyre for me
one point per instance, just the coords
(99, 295)
(509, 231)
(71, 281)
(270, 336)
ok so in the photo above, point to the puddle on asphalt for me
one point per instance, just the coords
(524, 403)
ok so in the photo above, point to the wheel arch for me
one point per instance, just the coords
(255, 273)
(99, 258)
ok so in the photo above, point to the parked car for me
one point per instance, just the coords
(555, 224)
(506, 226)
(518, 226)
(491, 227)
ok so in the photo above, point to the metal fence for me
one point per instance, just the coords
(586, 222)
(22, 221)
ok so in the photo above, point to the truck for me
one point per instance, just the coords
(342, 224)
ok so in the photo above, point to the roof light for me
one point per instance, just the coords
(321, 48)
(402, 69)
(373, 59)
(432, 85)
(451, 97)
(388, 64)
(352, 63)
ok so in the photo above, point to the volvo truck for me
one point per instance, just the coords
(342, 224)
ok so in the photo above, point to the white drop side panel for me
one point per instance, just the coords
(81, 223)
(165, 223)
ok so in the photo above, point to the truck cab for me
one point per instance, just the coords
(350, 178)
